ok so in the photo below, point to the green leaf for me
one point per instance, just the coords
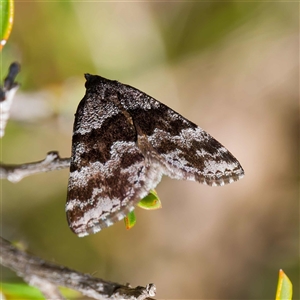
(6, 20)
(151, 201)
(22, 291)
(284, 287)
(130, 220)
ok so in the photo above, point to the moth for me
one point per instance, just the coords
(123, 142)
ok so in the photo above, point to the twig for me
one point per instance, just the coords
(49, 290)
(15, 173)
(48, 277)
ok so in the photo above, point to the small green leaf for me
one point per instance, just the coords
(130, 220)
(6, 20)
(284, 287)
(22, 291)
(151, 201)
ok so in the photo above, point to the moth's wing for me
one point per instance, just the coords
(108, 172)
(184, 150)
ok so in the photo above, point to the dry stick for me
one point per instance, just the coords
(48, 277)
(15, 173)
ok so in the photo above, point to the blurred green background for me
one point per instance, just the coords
(232, 68)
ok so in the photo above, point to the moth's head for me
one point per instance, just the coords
(96, 81)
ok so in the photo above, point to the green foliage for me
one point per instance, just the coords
(22, 291)
(150, 202)
(130, 220)
(6, 20)
(284, 287)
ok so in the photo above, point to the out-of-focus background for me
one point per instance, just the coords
(231, 68)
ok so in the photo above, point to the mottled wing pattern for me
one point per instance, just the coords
(184, 150)
(108, 172)
(123, 142)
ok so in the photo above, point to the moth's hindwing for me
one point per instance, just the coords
(184, 150)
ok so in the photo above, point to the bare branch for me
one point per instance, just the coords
(48, 277)
(49, 290)
(15, 173)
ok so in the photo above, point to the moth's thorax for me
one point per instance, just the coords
(95, 80)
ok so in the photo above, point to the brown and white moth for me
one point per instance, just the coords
(123, 142)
